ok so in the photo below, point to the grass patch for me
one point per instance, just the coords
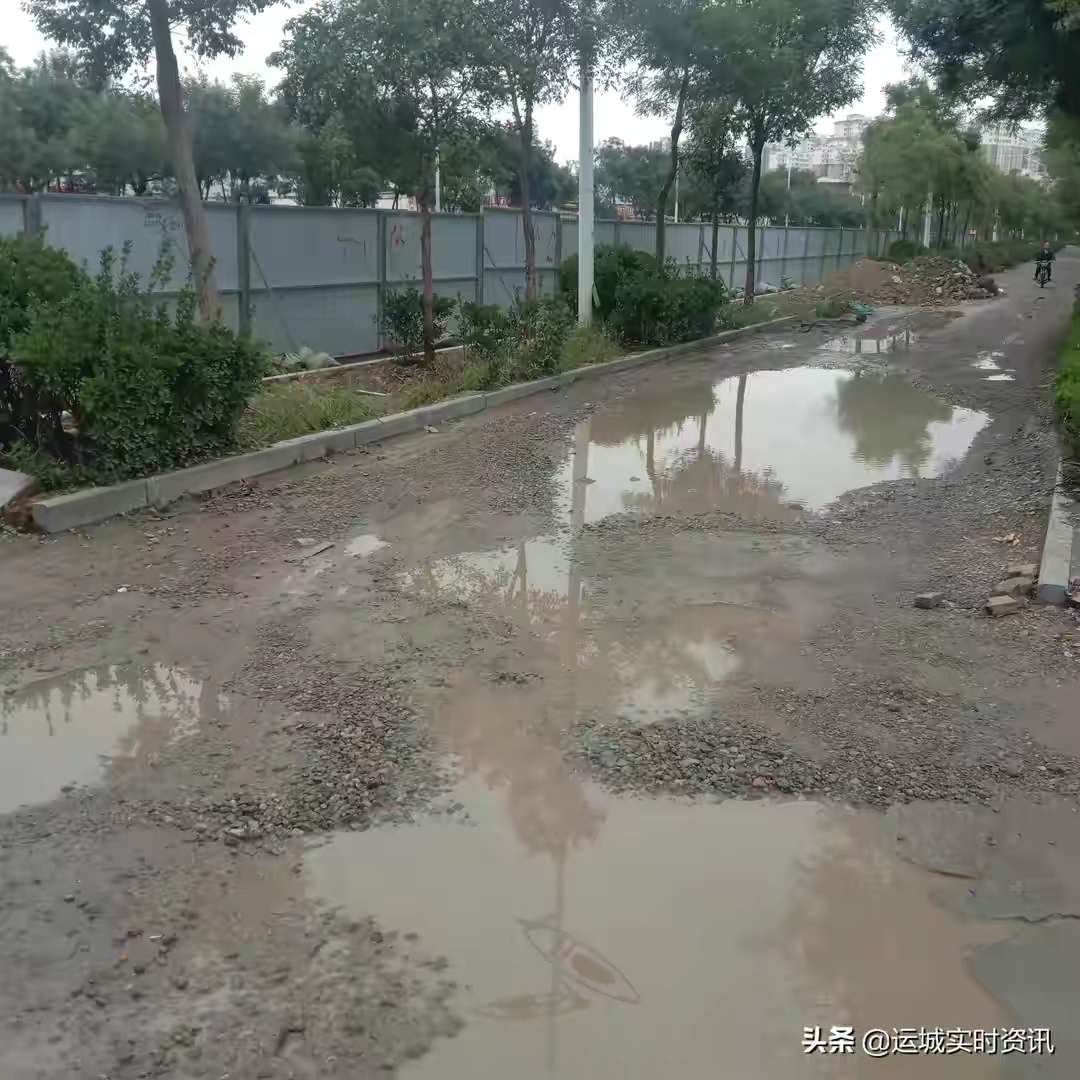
(588, 345)
(1067, 385)
(299, 408)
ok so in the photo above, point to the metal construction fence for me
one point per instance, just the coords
(317, 276)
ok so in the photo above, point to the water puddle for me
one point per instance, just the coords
(614, 937)
(364, 545)
(758, 444)
(991, 361)
(872, 341)
(598, 636)
(76, 728)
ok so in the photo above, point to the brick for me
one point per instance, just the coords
(1015, 586)
(929, 600)
(88, 507)
(1022, 569)
(1002, 605)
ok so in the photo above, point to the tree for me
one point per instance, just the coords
(118, 137)
(112, 36)
(421, 62)
(715, 165)
(665, 41)
(632, 174)
(786, 65)
(39, 106)
(1023, 53)
(240, 139)
(533, 47)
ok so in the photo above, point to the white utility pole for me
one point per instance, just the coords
(927, 221)
(787, 214)
(585, 196)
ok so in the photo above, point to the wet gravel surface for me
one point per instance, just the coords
(161, 919)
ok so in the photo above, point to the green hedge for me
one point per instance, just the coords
(1067, 387)
(100, 382)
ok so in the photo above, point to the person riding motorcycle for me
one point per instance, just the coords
(1045, 255)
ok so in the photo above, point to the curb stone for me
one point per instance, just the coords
(93, 505)
(1056, 562)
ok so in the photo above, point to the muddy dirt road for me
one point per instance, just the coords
(604, 740)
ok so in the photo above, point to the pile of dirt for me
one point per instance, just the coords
(928, 281)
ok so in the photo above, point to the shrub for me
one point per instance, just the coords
(588, 345)
(30, 274)
(141, 391)
(290, 409)
(403, 320)
(1067, 386)
(484, 330)
(904, 250)
(662, 308)
(612, 267)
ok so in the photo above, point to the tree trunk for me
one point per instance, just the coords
(751, 226)
(740, 402)
(525, 134)
(714, 255)
(669, 180)
(178, 146)
(429, 280)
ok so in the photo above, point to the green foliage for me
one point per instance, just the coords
(1022, 53)
(905, 250)
(484, 330)
(403, 320)
(612, 266)
(661, 308)
(588, 345)
(832, 309)
(143, 391)
(30, 273)
(628, 174)
(291, 409)
(1067, 386)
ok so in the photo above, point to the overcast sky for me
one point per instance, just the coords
(558, 123)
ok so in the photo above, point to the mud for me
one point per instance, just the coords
(605, 735)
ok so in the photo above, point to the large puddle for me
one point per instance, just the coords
(609, 937)
(756, 444)
(75, 728)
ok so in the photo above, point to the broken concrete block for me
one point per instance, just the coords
(13, 484)
(1015, 586)
(1002, 605)
(1022, 569)
(929, 600)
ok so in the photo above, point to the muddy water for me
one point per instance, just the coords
(593, 936)
(75, 728)
(758, 443)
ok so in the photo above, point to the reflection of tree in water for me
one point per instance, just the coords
(641, 416)
(888, 418)
(160, 702)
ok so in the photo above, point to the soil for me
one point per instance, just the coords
(690, 579)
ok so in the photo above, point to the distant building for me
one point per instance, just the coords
(832, 156)
(1013, 149)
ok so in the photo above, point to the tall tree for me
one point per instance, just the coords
(630, 174)
(715, 164)
(534, 46)
(111, 37)
(1025, 54)
(666, 44)
(423, 62)
(787, 65)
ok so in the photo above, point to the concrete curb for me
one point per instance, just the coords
(1056, 563)
(62, 512)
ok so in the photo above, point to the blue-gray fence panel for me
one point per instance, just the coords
(11, 215)
(314, 246)
(338, 319)
(84, 225)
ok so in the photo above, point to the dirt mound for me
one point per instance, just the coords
(928, 281)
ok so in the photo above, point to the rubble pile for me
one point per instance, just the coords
(931, 280)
